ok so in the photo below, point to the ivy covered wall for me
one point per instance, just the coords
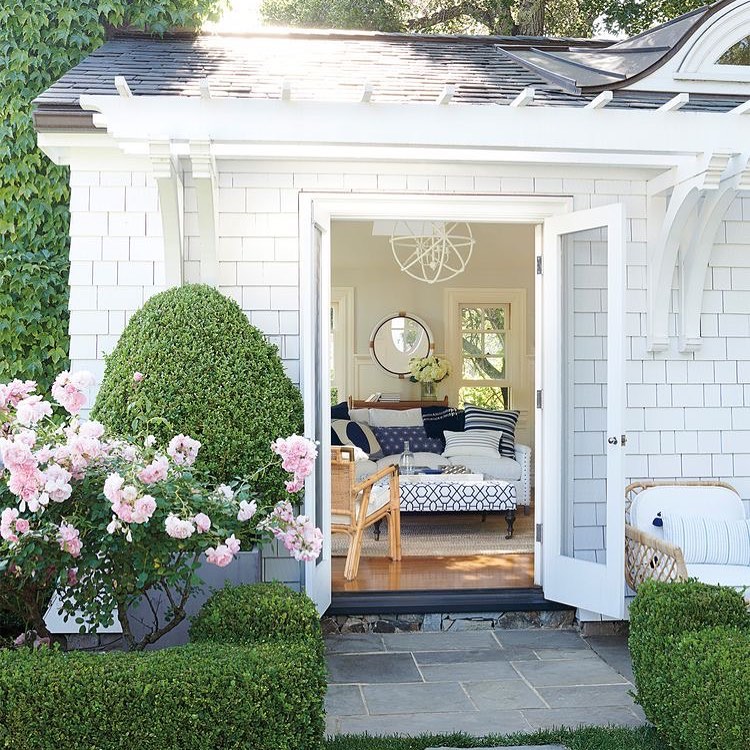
(39, 41)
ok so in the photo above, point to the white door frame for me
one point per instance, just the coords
(595, 587)
(321, 208)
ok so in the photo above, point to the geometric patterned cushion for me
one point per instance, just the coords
(392, 440)
(478, 418)
(346, 432)
(709, 540)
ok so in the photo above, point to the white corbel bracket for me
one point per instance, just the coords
(679, 204)
(696, 255)
(205, 179)
(170, 188)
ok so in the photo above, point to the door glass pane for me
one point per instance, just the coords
(488, 397)
(584, 394)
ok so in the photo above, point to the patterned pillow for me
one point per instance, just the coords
(472, 443)
(346, 432)
(709, 540)
(438, 419)
(392, 439)
(478, 418)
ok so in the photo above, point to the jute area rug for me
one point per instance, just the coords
(448, 535)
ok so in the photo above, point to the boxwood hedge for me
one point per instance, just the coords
(262, 692)
(690, 646)
(255, 613)
(196, 697)
(208, 374)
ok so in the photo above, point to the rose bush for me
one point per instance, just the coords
(109, 522)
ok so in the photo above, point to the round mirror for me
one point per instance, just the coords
(397, 339)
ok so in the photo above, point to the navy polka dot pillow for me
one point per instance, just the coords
(392, 440)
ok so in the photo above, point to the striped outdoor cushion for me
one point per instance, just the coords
(478, 418)
(709, 540)
(473, 443)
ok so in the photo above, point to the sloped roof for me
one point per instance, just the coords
(402, 68)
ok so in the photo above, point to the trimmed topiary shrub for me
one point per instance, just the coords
(256, 613)
(690, 647)
(710, 682)
(207, 373)
(197, 697)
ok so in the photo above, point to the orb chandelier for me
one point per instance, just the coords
(434, 251)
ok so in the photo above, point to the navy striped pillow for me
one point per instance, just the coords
(478, 418)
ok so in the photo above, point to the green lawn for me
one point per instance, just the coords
(587, 738)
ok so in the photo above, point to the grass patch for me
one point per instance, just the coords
(586, 738)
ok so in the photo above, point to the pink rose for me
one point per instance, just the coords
(72, 576)
(247, 510)
(177, 528)
(22, 526)
(137, 377)
(68, 387)
(15, 391)
(57, 483)
(156, 471)
(183, 450)
(233, 544)
(32, 409)
(221, 556)
(113, 487)
(202, 523)
(91, 429)
(68, 538)
(143, 509)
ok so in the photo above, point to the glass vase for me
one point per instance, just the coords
(428, 390)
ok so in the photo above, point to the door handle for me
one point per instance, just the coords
(612, 441)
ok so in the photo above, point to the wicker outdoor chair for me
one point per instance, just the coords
(357, 505)
(646, 555)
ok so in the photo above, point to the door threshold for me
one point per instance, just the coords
(446, 600)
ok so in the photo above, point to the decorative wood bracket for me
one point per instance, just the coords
(206, 191)
(169, 184)
(696, 257)
(675, 212)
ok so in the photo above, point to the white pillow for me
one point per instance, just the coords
(472, 443)
(709, 540)
(396, 418)
(360, 415)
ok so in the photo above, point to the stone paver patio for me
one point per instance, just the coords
(479, 682)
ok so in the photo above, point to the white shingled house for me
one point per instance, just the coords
(584, 204)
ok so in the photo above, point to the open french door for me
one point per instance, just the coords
(582, 412)
(315, 295)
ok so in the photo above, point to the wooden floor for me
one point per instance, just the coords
(428, 573)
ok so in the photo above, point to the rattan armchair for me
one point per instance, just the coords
(647, 556)
(357, 505)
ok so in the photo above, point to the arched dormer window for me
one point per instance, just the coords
(737, 54)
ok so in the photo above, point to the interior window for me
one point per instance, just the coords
(485, 334)
(738, 54)
(332, 349)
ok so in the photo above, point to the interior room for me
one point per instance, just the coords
(463, 293)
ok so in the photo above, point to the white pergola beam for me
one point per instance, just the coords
(169, 186)
(286, 91)
(366, 95)
(675, 103)
(206, 193)
(205, 89)
(122, 87)
(524, 98)
(601, 101)
(742, 109)
(446, 94)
